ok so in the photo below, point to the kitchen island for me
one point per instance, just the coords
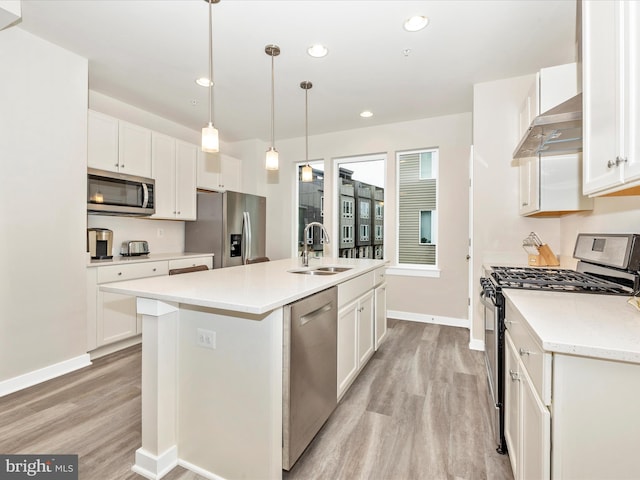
(212, 364)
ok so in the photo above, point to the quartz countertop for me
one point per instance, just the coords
(256, 289)
(590, 325)
(152, 257)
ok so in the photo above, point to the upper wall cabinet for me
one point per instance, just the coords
(217, 171)
(611, 79)
(174, 170)
(550, 185)
(118, 146)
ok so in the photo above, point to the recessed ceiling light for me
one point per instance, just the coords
(204, 82)
(366, 114)
(317, 51)
(416, 23)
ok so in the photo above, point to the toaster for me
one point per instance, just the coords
(134, 248)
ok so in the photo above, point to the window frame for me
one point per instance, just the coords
(415, 269)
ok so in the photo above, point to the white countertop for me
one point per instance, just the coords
(591, 325)
(152, 257)
(257, 288)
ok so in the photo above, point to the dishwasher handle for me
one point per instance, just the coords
(316, 313)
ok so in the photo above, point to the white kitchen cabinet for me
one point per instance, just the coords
(217, 171)
(347, 346)
(174, 170)
(112, 317)
(365, 327)
(380, 307)
(356, 324)
(552, 185)
(118, 146)
(611, 50)
(527, 419)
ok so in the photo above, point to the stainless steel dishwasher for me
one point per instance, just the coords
(309, 380)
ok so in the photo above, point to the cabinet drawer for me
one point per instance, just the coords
(191, 262)
(379, 275)
(116, 273)
(355, 288)
(534, 358)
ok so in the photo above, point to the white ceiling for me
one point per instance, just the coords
(148, 53)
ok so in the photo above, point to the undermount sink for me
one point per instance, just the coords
(312, 272)
(321, 271)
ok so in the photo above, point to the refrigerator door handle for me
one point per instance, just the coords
(246, 237)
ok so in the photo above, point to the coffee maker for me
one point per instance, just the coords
(99, 243)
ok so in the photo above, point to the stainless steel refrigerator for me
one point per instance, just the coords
(230, 225)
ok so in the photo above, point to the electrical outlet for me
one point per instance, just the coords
(206, 338)
(160, 232)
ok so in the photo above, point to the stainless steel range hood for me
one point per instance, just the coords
(555, 132)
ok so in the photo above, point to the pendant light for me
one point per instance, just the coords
(210, 142)
(307, 171)
(271, 159)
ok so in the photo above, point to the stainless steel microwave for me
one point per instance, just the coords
(110, 193)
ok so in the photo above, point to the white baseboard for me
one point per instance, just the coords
(155, 467)
(475, 344)
(425, 318)
(43, 374)
(200, 471)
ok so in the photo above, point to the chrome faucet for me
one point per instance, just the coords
(305, 252)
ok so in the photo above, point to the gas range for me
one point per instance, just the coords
(555, 279)
(608, 264)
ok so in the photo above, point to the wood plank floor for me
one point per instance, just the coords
(417, 411)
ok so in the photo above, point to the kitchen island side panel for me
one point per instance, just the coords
(230, 397)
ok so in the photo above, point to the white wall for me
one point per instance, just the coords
(43, 131)
(422, 298)
(498, 229)
(164, 236)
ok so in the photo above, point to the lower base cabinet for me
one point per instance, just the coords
(361, 316)
(112, 317)
(587, 408)
(527, 421)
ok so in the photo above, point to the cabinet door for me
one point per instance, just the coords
(134, 146)
(529, 185)
(185, 176)
(535, 458)
(381, 314)
(163, 150)
(631, 151)
(116, 317)
(347, 343)
(102, 141)
(601, 95)
(512, 406)
(365, 328)
(230, 174)
(208, 170)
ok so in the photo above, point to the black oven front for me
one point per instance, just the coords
(493, 312)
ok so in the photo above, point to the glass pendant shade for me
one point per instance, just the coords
(307, 173)
(271, 159)
(210, 143)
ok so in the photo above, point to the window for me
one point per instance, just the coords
(417, 207)
(311, 209)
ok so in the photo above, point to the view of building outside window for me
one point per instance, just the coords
(417, 207)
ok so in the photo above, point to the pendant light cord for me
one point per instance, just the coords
(210, 64)
(273, 108)
(306, 123)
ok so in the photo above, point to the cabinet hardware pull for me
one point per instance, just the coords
(617, 162)
(154, 269)
(525, 204)
(119, 273)
(524, 352)
(122, 165)
(514, 376)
